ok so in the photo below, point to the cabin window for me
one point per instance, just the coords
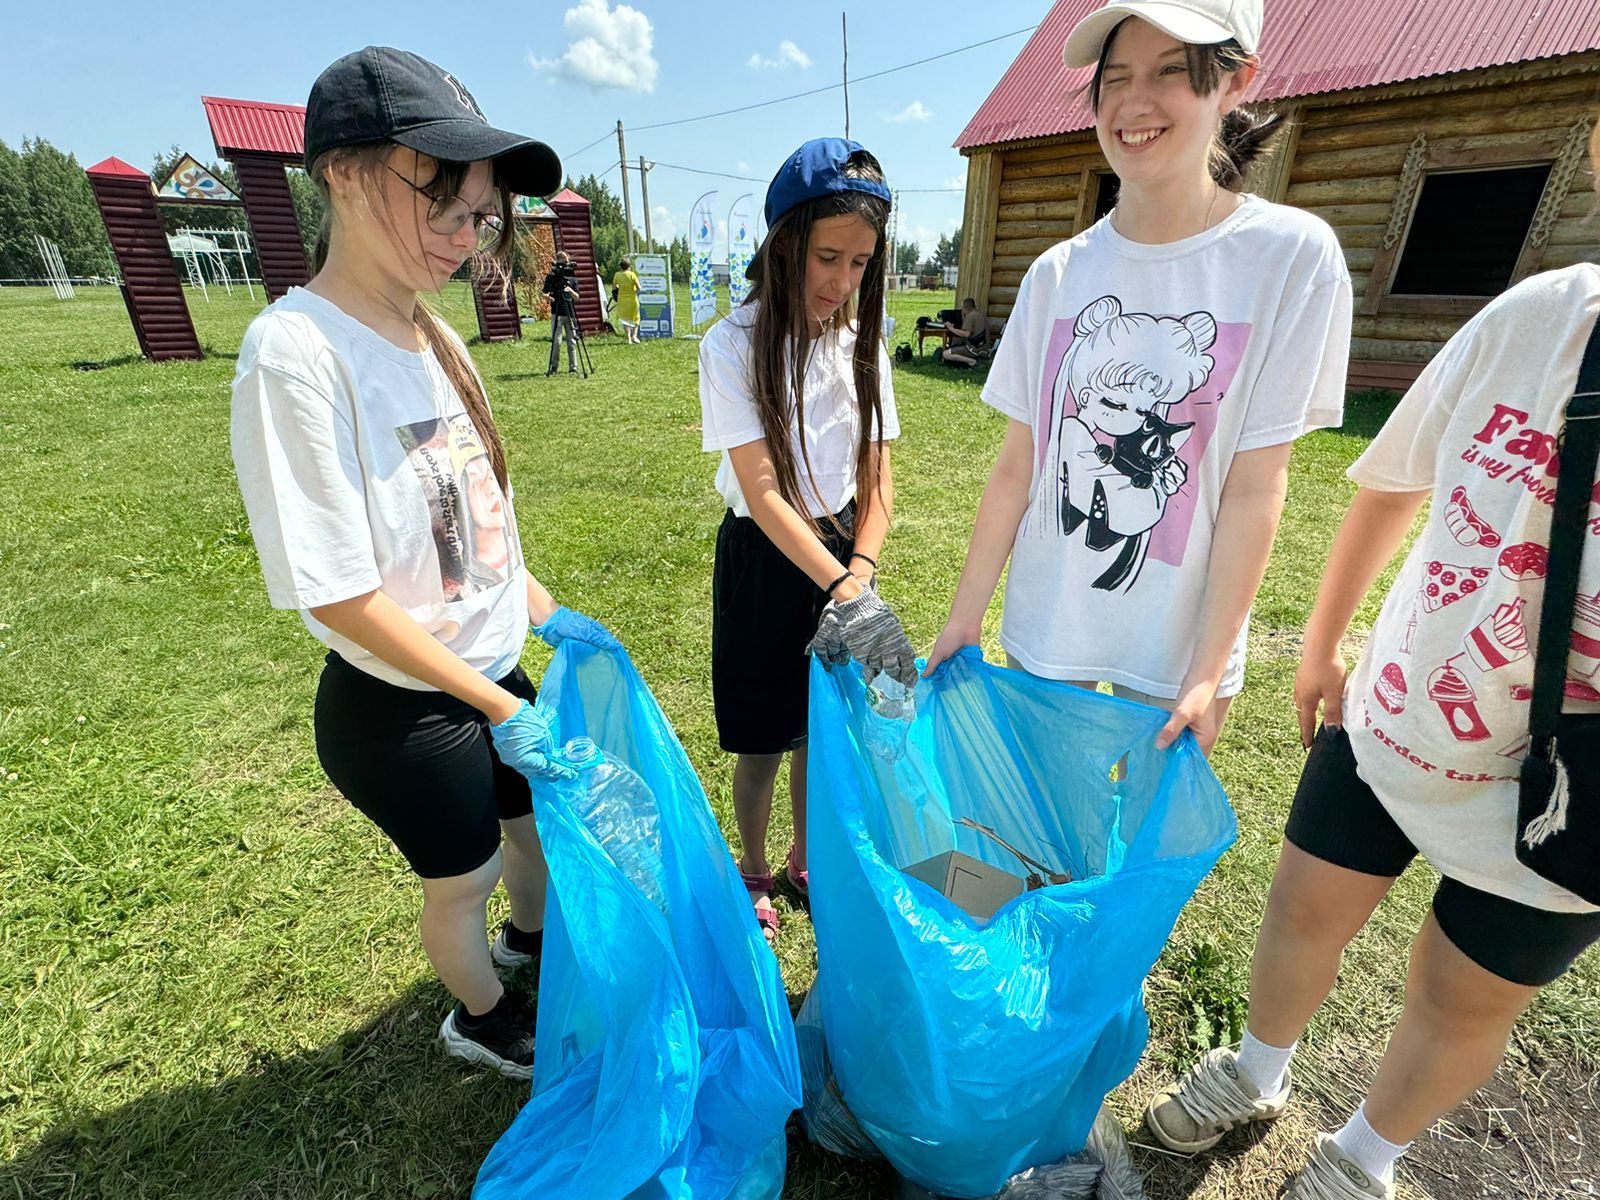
(1468, 231)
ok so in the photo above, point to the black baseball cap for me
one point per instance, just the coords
(384, 95)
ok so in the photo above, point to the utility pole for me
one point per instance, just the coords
(894, 234)
(627, 203)
(844, 27)
(644, 192)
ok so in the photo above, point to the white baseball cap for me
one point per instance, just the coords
(1199, 22)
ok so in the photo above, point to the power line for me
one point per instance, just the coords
(590, 146)
(702, 171)
(832, 87)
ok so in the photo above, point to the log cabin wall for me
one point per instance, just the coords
(1350, 169)
(1343, 158)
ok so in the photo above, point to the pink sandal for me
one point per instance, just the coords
(797, 882)
(760, 888)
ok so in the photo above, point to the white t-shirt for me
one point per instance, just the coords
(728, 416)
(361, 470)
(1437, 708)
(1142, 370)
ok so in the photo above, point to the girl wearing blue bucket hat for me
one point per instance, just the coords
(795, 395)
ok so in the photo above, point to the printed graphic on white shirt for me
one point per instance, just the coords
(465, 503)
(1130, 401)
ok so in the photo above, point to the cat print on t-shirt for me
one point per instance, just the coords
(465, 504)
(1123, 418)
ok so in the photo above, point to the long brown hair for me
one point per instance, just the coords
(782, 341)
(446, 181)
(1245, 132)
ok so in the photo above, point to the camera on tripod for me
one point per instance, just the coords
(561, 286)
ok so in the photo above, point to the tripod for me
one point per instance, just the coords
(563, 312)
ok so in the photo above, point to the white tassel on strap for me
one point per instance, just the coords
(1554, 818)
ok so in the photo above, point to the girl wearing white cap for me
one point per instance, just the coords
(1157, 368)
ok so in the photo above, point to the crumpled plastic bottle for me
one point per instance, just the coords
(893, 707)
(621, 813)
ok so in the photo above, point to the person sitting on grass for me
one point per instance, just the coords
(1420, 748)
(973, 343)
(376, 486)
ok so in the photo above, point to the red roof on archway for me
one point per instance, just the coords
(256, 127)
(567, 196)
(115, 166)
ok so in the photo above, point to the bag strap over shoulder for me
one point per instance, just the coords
(1580, 449)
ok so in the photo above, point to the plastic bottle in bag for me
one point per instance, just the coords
(893, 707)
(621, 813)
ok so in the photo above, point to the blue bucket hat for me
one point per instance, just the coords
(814, 170)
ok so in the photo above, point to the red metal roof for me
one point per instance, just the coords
(1308, 47)
(255, 127)
(115, 166)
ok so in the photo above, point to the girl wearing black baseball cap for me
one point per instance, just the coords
(379, 499)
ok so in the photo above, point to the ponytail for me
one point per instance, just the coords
(1246, 134)
(458, 370)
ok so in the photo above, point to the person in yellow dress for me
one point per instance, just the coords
(625, 303)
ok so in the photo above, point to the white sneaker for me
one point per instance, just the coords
(1213, 1098)
(1331, 1174)
(503, 954)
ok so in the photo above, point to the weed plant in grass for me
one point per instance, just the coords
(211, 983)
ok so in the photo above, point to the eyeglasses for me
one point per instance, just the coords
(447, 216)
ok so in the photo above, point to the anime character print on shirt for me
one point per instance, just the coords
(1130, 407)
(467, 510)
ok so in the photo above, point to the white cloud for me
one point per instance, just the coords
(663, 227)
(915, 111)
(608, 48)
(789, 55)
(956, 181)
(744, 167)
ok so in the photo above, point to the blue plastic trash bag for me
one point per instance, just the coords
(966, 1050)
(665, 1062)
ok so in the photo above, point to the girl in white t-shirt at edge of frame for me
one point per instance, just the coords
(1421, 746)
(795, 394)
(376, 486)
(1157, 369)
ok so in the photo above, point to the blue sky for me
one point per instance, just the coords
(99, 78)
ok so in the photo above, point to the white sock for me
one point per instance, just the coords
(1264, 1064)
(1362, 1143)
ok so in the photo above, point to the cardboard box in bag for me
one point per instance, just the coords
(972, 885)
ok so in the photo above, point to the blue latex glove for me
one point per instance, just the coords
(564, 623)
(524, 742)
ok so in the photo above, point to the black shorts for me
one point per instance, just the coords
(1336, 817)
(764, 611)
(420, 765)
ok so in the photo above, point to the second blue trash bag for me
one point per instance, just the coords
(665, 1064)
(966, 1049)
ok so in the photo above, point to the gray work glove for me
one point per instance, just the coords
(865, 628)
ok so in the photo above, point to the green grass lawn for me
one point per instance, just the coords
(211, 983)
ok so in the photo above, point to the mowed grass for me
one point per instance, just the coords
(211, 983)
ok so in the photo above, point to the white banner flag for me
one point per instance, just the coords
(741, 248)
(702, 285)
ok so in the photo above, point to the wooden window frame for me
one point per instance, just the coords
(1462, 154)
(1088, 193)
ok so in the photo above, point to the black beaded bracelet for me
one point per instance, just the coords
(870, 561)
(837, 582)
